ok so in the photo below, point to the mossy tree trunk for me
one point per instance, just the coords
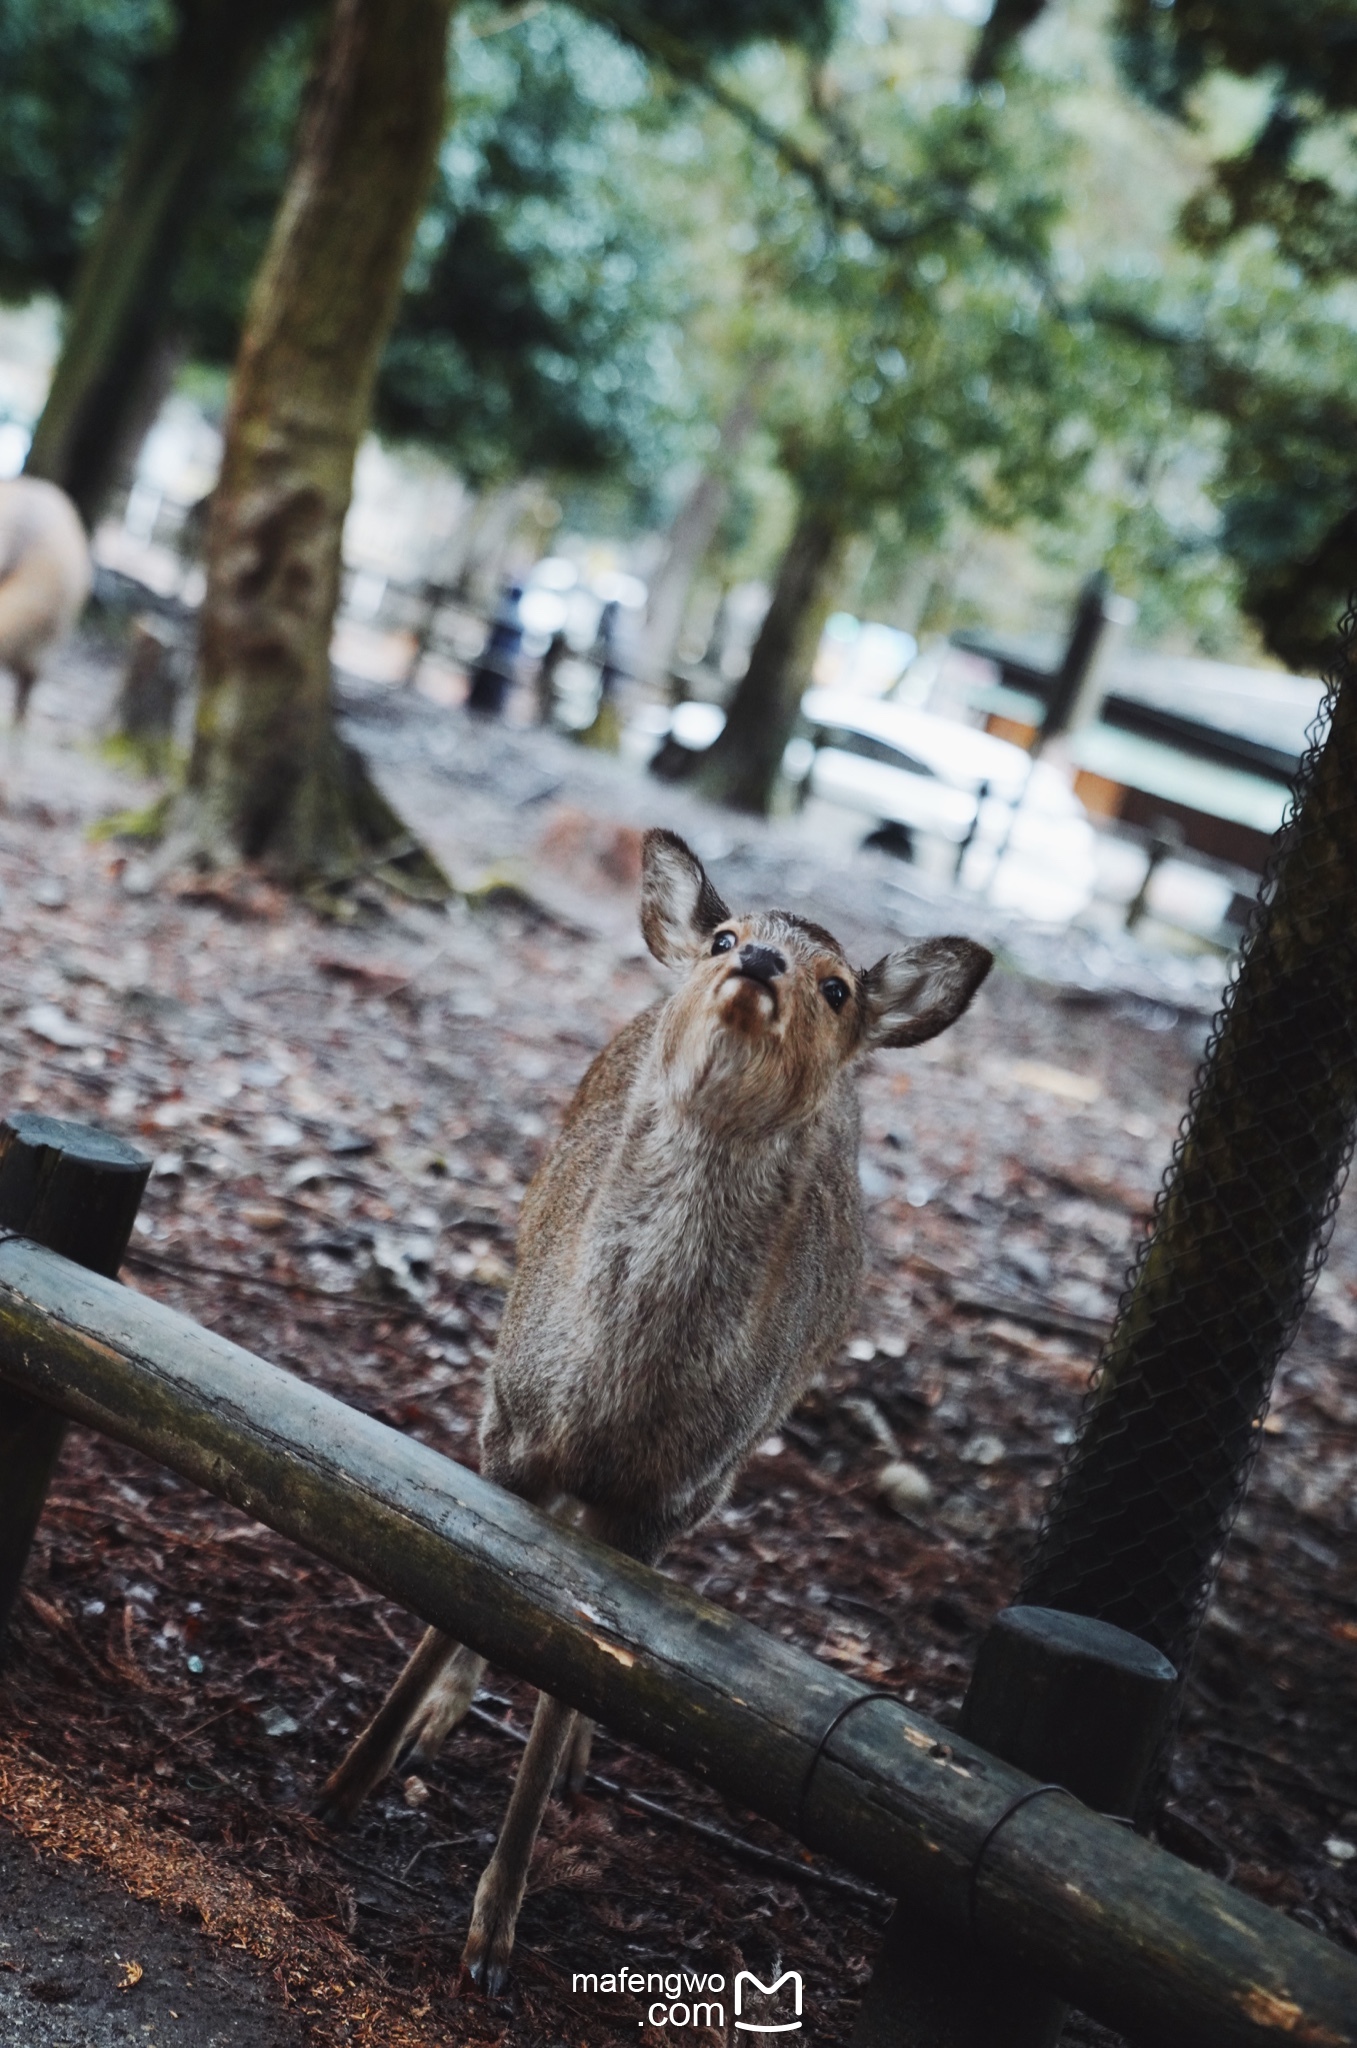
(269, 780)
(742, 767)
(120, 305)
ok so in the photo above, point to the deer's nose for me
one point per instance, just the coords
(761, 963)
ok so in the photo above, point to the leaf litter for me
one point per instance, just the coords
(343, 1135)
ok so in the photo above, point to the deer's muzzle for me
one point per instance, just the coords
(761, 963)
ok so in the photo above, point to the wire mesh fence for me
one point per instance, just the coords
(1138, 1520)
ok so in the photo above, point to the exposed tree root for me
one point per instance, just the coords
(364, 842)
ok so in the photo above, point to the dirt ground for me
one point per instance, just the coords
(85, 1965)
(343, 1123)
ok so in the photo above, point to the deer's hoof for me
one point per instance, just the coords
(428, 1730)
(490, 1979)
(336, 1804)
(485, 1973)
(417, 1753)
(489, 1950)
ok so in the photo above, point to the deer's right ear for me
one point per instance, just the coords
(914, 994)
(679, 907)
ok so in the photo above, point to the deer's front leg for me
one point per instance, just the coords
(25, 676)
(428, 1699)
(489, 1945)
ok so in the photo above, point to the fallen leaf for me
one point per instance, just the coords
(1059, 1081)
(47, 1022)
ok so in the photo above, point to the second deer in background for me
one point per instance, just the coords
(45, 577)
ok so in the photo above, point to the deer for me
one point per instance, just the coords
(45, 577)
(688, 1261)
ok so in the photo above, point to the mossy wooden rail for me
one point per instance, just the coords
(1122, 1929)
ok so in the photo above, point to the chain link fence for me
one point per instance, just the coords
(1137, 1522)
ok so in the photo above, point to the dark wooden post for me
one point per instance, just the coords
(76, 1191)
(1073, 1702)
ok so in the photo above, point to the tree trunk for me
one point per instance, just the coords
(690, 536)
(1136, 1526)
(269, 779)
(138, 411)
(120, 304)
(496, 518)
(742, 768)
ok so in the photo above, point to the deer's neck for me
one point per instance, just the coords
(694, 1197)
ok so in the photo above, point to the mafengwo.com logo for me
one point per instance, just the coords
(691, 1998)
(746, 1983)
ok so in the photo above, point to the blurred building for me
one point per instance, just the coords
(1206, 751)
(1211, 747)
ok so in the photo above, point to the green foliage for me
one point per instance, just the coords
(876, 245)
(535, 333)
(145, 827)
(921, 378)
(71, 76)
(1269, 340)
(1303, 47)
(719, 26)
(1008, 20)
(229, 237)
(1297, 175)
(1286, 486)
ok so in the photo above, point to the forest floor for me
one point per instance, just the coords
(343, 1123)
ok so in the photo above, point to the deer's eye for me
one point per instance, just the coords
(835, 992)
(723, 942)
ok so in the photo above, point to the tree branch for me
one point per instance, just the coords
(845, 206)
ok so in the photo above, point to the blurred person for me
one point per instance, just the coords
(497, 665)
(605, 729)
(544, 688)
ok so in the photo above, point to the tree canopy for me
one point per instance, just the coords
(534, 334)
(635, 202)
(73, 72)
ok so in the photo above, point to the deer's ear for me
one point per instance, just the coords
(679, 907)
(916, 993)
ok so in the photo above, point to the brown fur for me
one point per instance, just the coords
(688, 1259)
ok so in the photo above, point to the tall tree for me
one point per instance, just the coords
(268, 779)
(918, 377)
(742, 767)
(131, 118)
(694, 529)
(121, 297)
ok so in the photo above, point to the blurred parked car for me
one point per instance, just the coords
(927, 785)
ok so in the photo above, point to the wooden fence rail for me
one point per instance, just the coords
(1134, 1937)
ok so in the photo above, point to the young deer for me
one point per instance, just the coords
(45, 577)
(688, 1259)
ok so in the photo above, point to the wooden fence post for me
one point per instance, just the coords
(1073, 1702)
(76, 1191)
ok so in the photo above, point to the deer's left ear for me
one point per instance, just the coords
(679, 907)
(916, 993)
